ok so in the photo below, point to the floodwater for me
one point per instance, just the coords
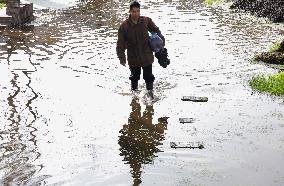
(67, 116)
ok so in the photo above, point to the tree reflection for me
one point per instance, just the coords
(140, 138)
(18, 144)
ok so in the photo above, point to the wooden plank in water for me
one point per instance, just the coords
(190, 145)
(194, 99)
(186, 120)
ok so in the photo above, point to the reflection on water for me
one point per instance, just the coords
(18, 145)
(140, 138)
(19, 139)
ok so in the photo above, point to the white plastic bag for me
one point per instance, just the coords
(156, 43)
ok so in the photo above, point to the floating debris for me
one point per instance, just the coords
(191, 145)
(186, 120)
(194, 99)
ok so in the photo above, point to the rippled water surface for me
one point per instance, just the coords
(67, 115)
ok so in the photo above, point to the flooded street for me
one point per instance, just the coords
(67, 115)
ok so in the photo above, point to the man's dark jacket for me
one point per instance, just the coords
(135, 39)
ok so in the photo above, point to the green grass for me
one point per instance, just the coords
(2, 5)
(275, 47)
(210, 2)
(273, 84)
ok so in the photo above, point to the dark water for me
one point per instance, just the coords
(67, 117)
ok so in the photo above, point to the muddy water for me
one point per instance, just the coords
(67, 117)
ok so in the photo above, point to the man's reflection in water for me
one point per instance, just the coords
(140, 138)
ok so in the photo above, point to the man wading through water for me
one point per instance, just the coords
(133, 36)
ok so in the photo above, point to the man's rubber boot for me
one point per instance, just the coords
(149, 87)
(134, 90)
(134, 85)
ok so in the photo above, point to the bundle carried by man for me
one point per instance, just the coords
(157, 46)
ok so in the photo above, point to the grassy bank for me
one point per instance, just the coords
(275, 55)
(210, 2)
(275, 47)
(272, 84)
(2, 5)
